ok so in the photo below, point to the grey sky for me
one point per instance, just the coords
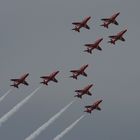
(36, 37)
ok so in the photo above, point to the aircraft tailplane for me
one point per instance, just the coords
(88, 51)
(88, 111)
(79, 96)
(14, 85)
(74, 77)
(104, 25)
(45, 83)
(76, 29)
(112, 42)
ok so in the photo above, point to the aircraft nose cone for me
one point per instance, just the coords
(57, 72)
(27, 74)
(91, 85)
(101, 100)
(101, 39)
(118, 13)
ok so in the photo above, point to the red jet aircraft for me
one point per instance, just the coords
(19, 81)
(119, 36)
(108, 21)
(49, 78)
(95, 105)
(93, 46)
(83, 91)
(78, 72)
(79, 25)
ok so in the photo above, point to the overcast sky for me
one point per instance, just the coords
(36, 38)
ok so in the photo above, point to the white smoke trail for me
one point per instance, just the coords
(45, 125)
(17, 107)
(2, 97)
(58, 137)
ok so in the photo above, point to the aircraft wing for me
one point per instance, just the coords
(88, 106)
(112, 36)
(44, 77)
(55, 80)
(99, 48)
(74, 71)
(84, 74)
(116, 23)
(76, 23)
(15, 80)
(88, 45)
(87, 27)
(88, 93)
(105, 19)
(25, 83)
(78, 90)
(98, 108)
(122, 39)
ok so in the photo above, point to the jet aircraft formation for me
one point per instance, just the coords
(89, 49)
(81, 71)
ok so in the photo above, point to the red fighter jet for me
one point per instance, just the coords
(83, 91)
(119, 36)
(78, 72)
(93, 46)
(79, 25)
(95, 105)
(49, 78)
(110, 20)
(19, 81)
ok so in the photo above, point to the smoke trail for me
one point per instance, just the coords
(58, 137)
(2, 97)
(45, 125)
(17, 107)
